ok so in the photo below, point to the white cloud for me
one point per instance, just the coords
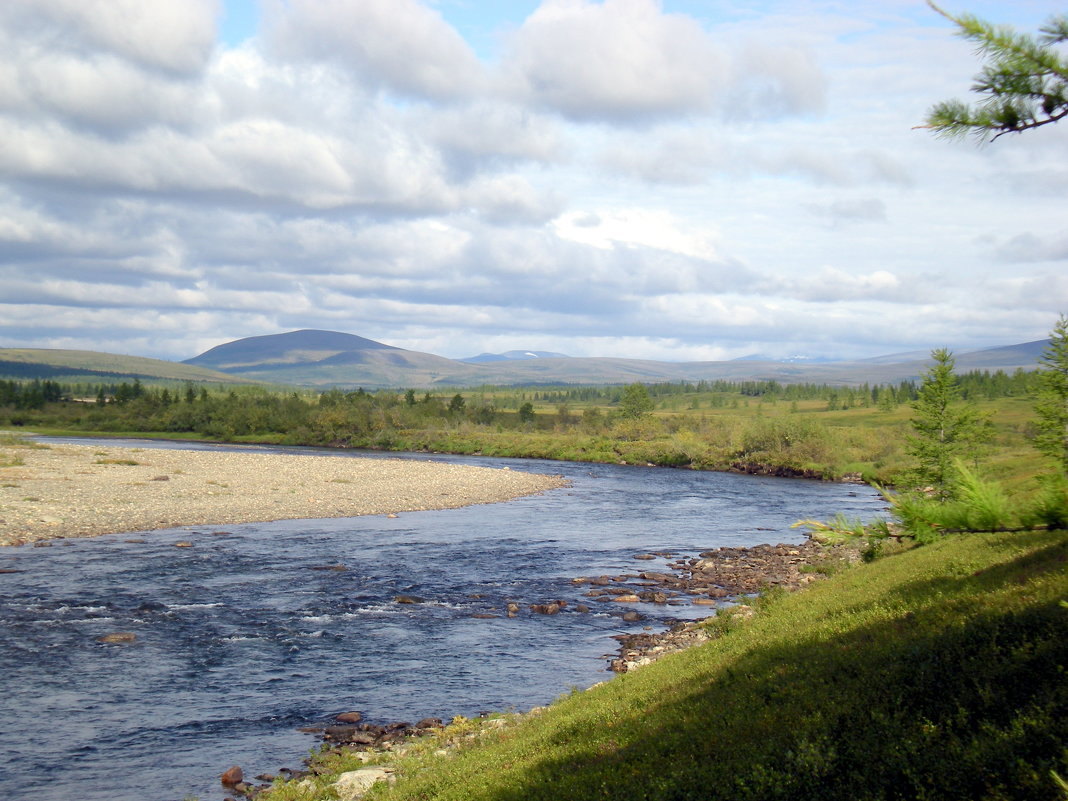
(175, 36)
(400, 45)
(652, 228)
(628, 179)
(628, 60)
(852, 210)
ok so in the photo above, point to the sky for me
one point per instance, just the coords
(682, 180)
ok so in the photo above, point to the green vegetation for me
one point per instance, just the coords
(945, 429)
(762, 427)
(1024, 85)
(1051, 404)
(935, 673)
(979, 506)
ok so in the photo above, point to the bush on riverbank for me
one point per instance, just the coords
(936, 673)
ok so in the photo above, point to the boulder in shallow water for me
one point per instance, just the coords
(408, 599)
(232, 777)
(349, 717)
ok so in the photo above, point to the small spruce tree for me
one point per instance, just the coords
(944, 426)
(1051, 402)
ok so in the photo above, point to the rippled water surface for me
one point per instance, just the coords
(265, 627)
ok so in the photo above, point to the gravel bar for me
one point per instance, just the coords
(84, 490)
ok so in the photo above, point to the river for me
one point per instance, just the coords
(247, 635)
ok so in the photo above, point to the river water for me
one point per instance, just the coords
(246, 636)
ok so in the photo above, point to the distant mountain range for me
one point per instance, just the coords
(329, 358)
(513, 355)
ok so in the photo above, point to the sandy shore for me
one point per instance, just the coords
(86, 490)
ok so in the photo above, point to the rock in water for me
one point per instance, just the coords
(232, 777)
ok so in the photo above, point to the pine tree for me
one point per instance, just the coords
(946, 428)
(1051, 403)
(1024, 82)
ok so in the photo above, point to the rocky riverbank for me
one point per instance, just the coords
(715, 578)
(56, 491)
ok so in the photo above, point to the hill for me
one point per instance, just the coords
(296, 347)
(91, 366)
(329, 358)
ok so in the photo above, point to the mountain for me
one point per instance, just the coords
(513, 355)
(1007, 357)
(329, 358)
(296, 347)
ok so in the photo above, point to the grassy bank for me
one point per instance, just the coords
(935, 673)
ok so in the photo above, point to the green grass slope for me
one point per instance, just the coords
(88, 365)
(936, 673)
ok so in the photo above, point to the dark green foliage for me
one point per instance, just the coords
(1023, 85)
(946, 428)
(635, 402)
(1051, 401)
(30, 394)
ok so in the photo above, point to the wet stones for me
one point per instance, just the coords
(349, 717)
(374, 737)
(408, 599)
(551, 608)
